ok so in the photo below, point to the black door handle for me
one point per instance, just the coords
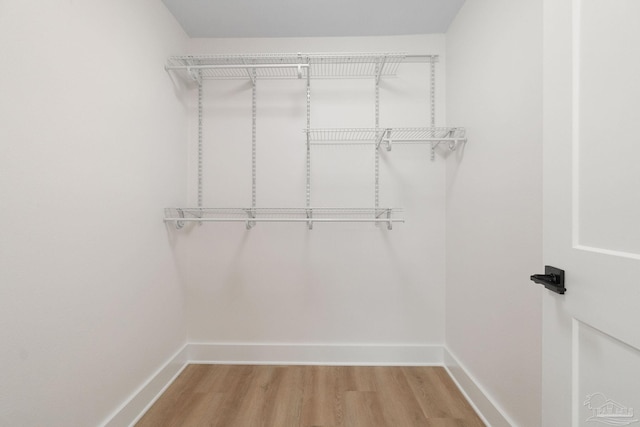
(552, 279)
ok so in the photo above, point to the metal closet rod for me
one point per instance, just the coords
(395, 141)
(422, 58)
(303, 210)
(230, 66)
(311, 219)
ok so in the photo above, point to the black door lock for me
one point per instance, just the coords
(552, 279)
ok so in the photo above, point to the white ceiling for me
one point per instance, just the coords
(312, 18)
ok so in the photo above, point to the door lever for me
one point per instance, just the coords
(552, 279)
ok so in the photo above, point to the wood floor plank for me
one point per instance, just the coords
(399, 404)
(311, 396)
(363, 409)
(323, 401)
(178, 399)
(362, 377)
(246, 407)
(239, 380)
(283, 407)
(439, 397)
(205, 409)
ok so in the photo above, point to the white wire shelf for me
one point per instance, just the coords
(251, 216)
(292, 65)
(388, 136)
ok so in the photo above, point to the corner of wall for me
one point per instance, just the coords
(481, 401)
(494, 237)
(142, 399)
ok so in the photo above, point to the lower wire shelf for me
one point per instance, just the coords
(251, 216)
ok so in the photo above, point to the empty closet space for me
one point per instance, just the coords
(306, 396)
(272, 150)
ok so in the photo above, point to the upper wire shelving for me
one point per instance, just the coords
(290, 66)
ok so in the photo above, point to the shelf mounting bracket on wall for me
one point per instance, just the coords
(385, 136)
(193, 73)
(251, 72)
(180, 224)
(379, 68)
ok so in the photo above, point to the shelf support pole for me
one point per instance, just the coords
(253, 140)
(432, 91)
(253, 146)
(200, 123)
(308, 159)
(378, 70)
(432, 100)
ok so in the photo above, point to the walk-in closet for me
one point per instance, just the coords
(337, 213)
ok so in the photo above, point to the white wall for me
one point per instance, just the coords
(340, 283)
(494, 86)
(91, 150)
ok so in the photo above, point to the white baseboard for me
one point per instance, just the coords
(306, 354)
(140, 401)
(317, 354)
(475, 394)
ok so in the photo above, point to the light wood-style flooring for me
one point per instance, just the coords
(311, 396)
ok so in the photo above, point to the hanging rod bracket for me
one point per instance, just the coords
(180, 224)
(309, 216)
(251, 213)
(388, 212)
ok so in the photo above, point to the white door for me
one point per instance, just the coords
(591, 335)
